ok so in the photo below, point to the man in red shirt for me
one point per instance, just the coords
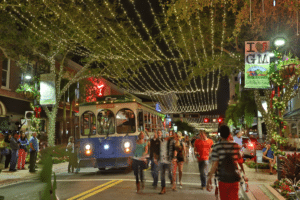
(202, 150)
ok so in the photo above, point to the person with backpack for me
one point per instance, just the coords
(225, 156)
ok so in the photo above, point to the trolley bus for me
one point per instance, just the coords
(109, 129)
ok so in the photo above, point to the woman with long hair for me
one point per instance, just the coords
(139, 160)
(179, 158)
(22, 151)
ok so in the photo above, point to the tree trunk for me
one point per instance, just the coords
(71, 120)
(51, 132)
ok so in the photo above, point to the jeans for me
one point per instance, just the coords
(32, 161)
(163, 167)
(154, 172)
(203, 169)
(138, 166)
(14, 159)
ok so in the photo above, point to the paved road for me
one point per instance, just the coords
(91, 183)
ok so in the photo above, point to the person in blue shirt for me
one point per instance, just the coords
(269, 157)
(22, 151)
(34, 149)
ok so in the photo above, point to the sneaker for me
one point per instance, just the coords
(12, 170)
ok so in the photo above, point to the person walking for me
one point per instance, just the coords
(165, 162)
(34, 149)
(72, 156)
(22, 151)
(154, 156)
(178, 160)
(225, 156)
(202, 149)
(139, 160)
(15, 146)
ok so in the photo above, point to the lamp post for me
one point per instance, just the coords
(279, 42)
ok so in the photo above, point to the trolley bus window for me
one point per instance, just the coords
(125, 120)
(106, 122)
(88, 124)
(140, 121)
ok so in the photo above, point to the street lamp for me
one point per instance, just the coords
(279, 42)
(27, 77)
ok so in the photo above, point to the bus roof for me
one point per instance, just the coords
(121, 100)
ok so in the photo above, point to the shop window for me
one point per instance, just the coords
(106, 122)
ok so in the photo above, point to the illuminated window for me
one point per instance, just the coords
(125, 120)
(106, 122)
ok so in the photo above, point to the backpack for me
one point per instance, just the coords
(228, 170)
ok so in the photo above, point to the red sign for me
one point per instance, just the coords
(101, 89)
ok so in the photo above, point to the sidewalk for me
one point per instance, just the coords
(8, 178)
(260, 185)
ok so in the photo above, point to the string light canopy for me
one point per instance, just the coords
(168, 56)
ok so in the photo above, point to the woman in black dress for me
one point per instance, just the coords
(179, 158)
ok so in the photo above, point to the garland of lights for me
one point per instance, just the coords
(192, 99)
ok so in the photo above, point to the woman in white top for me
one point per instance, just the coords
(72, 155)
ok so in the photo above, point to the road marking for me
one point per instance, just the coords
(97, 191)
(130, 180)
(91, 190)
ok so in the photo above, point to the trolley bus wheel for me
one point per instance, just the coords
(101, 168)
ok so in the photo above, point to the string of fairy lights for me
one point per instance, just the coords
(156, 74)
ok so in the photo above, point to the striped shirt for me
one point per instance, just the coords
(221, 149)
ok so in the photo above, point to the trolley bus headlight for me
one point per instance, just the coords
(88, 152)
(88, 147)
(126, 145)
(106, 146)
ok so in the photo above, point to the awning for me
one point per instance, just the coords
(14, 106)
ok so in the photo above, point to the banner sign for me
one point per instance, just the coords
(47, 89)
(257, 64)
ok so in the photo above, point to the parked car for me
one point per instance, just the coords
(249, 146)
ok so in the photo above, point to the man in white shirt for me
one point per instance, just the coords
(165, 163)
(238, 138)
